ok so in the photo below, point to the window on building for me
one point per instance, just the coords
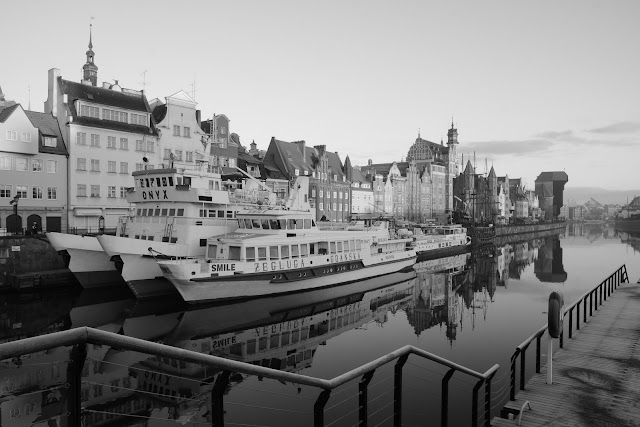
(111, 191)
(313, 191)
(52, 166)
(178, 155)
(36, 193)
(81, 190)
(167, 154)
(189, 155)
(139, 166)
(297, 172)
(124, 143)
(22, 164)
(139, 145)
(232, 162)
(52, 193)
(124, 167)
(95, 165)
(81, 164)
(111, 166)
(36, 165)
(95, 191)
(335, 195)
(81, 138)
(138, 119)
(5, 191)
(321, 205)
(176, 130)
(48, 141)
(95, 140)
(346, 207)
(321, 192)
(114, 115)
(187, 132)
(21, 190)
(5, 162)
(150, 147)
(25, 136)
(123, 192)
(111, 142)
(340, 207)
(12, 135)
(334, 206)
(89, 111)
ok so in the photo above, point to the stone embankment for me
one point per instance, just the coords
(31, 262)
(505, 230)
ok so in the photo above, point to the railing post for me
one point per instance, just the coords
(318, 408)
(584, 314)
(474, 407)
(487, 402)
(601, 285)
(397, 390)
(74, 375)
(538, 338)
(523, 359)
(577, 316)
(591, 304)
(562, 339)
(217, 400)
(444, 406)
(570, 322)
(512, 387)
(362, 404)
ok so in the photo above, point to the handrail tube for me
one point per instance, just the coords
(442, 361)
(526, 342)
(444, 405)
(13, 349)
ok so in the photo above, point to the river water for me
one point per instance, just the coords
(472, 309)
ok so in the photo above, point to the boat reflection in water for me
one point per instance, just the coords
(285, 333)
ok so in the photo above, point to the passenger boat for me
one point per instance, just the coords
(440, 240)
(276, 251)
(632, 223)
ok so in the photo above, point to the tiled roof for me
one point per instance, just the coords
(48, 126)
(7, 111)
(357, 175)
(552, 176)
(293, 157)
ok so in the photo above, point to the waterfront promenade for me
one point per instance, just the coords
(596, 376)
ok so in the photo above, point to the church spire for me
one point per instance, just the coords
(90, 70)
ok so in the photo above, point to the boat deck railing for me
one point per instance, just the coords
(227, 371)
(588, 301)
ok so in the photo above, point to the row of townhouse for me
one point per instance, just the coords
(69, 168)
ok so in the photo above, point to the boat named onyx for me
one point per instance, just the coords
(276, 251)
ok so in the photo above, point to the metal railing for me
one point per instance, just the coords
(80, 337)
(602, 291)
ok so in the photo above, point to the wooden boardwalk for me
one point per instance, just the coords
(596, 376)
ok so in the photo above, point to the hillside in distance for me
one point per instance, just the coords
(602, 195)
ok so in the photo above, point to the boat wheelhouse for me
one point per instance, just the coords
(276, 251)
(439, 240)
(175, 210)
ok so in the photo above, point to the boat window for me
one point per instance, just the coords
(262, 343)
(180, 212)
(313, 223)
(352, 245)
(275, 225)
(285, 339)
(251, 254)
(220, 214)
(212, 251)
(333, 247)
(299, 224)
(234, 253)
(137, 236)
(158, 182)
(170, 181)
(262, 253)
(284, 252)
(229, 214)
(140, 183)
(304, 250)
(339, 245)
(273, 252)
(164, 182)
(345, 245)
(283, 224)
(256, 223)
(157, 212)
(323, 248)
(247, 223)
(164, 212)
(265, 224)
(291, 224)
(251, 346)
(240, 223)
(312, 248)
(358, 245)
(178, 180)
(274, 341)
(307, 223)
(295, 336)
(138, 212)
(295, 251)
(172, 212)
(212, 213)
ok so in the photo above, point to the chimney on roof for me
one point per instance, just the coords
(51, 104)
(105, 85)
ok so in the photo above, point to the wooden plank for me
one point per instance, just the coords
(596, 379)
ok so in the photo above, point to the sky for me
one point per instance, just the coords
(532, 86)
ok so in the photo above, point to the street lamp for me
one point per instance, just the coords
(14, 202)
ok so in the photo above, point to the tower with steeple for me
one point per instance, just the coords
(90, 69)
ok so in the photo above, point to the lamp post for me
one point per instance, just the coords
(14, 202)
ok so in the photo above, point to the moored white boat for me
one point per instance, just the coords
(276, 251)
(439, 240)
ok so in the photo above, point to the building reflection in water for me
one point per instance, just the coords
(280, 332)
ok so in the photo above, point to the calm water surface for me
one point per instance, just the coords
(473, 309)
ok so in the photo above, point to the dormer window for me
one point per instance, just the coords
(49, 142)
(297, 172)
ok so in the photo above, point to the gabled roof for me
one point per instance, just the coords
(48, 125)
(7, 111)
(357, 175)
(293, 158)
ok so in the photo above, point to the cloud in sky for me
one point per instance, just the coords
(515, 147)
(619, 127)
(555, 135)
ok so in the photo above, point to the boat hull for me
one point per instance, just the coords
(442, 252)
(91, 266)
(215, 290)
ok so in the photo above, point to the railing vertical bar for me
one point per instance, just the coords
(318, 408)
(591, 304)
(487, 403)
(523, 355)
(444, 405)
(397, 390)
(78, 357)
(584, 314)
(217, 399)
(577, 316)
(538, 338)
(571, 323)
(512, 392)
(474, 407)
(363, 402)
(562, 339)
